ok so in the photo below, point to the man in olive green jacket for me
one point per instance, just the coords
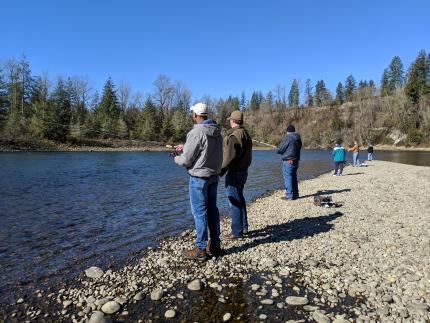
(237, 156)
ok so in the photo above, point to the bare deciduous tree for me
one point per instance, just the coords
(163, 93)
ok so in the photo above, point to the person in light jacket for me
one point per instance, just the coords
(202, 157)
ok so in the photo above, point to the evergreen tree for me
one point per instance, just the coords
(269, 99)
(3, 100)
(309, 100)
(350, 88)
(293, 96)
(320, 93)
(109, 110)
(260, 98)
(372, 88)
(396, 73)
(339, 94)
(254, 102)
(418, 75)
(39, 107)
(148, 129)
(57, 124)
(181, 125)
(385, 83)
(242, 105)
(167, 129)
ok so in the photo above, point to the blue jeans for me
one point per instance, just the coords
(203, 194)
(290, 177)
(355, 160)
(369, 156)
(234, 183)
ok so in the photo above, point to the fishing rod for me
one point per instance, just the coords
(264, 143)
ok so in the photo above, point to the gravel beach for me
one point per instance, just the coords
(366, 260)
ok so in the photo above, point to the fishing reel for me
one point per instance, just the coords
(174, 154)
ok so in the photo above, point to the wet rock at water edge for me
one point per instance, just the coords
(195, 285)
(170, 314)
(94, 272)
(111, 307)
(295, 300)
(156, 294)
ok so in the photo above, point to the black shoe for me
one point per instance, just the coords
(288, 199)
(212, 250)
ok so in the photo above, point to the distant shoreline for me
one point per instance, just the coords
(137, 146)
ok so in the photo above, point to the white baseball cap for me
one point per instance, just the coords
(200, 109)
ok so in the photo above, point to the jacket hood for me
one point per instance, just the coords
(209, 127)
(294, 135)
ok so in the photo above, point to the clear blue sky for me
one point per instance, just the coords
(216, 47)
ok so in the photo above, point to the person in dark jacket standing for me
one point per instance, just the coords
(290, 150)
(370, 152)
(237, 156)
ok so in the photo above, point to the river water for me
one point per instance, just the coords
(63, 212)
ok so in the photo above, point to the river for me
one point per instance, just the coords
(63, 212)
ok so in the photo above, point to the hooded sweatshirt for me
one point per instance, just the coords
(290, 147)
(202, 152)
(339, 153)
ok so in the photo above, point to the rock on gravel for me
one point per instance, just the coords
(98, 317)
(138, 296)
(195, 285)
(295, 300)
(320, 317)
(156, 294)
(111, 307)
(267, 301)
(226, 317)
(170, 314)
(94, 272)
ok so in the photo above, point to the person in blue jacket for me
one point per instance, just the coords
(339, 154)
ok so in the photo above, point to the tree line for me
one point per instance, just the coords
(70, 110)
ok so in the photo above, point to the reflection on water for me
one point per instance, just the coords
(61, 212)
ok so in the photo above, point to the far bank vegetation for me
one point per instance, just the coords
(36, 109)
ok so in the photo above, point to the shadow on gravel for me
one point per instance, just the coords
(327, 192)
(296, 229)
(353, 174)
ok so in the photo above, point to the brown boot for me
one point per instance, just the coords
(213, 250)
(196, 254)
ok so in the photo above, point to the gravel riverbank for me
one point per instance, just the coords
(365, 261)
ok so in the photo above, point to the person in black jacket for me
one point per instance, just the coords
(370, 152)
(290, 150)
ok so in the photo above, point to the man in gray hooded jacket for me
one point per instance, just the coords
(202, 157)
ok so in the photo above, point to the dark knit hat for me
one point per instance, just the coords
(291, 128)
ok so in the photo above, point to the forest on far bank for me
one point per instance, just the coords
(69, 110)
